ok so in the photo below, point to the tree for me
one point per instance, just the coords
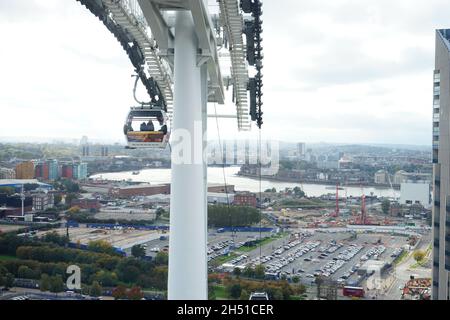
(244, 295)
(295, 279)
(138, 251)
(135, 293)
(6, 278)
(96, 289)
(44, 284)
(235, 291)
(25, 273)
(120, 292)
(162, 258)
(57, 199)
(237, 272)
(298, 192)
(419, 255)
(106, 278)
(249, 272)
(101, 246)
(7, 190)
(159, 212)
(211, 293)
(56, 284)
(74, 209)
(260, 271)
(54, 237)
(385, 206)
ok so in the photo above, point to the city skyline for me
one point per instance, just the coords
(355, 90)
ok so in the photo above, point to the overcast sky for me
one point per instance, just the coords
(335, 71)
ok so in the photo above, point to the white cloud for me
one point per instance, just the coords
(338, 71)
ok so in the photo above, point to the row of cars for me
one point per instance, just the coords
(301, 250)
(373, 253)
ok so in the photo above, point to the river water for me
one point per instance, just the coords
(215, 176)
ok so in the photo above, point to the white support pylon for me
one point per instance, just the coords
(188, 228)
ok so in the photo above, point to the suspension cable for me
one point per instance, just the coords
(223, 172)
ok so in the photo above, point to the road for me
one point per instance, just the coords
(403, 271)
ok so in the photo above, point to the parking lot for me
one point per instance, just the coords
(333, 255)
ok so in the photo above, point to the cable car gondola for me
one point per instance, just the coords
(259, 296)
(146, 127)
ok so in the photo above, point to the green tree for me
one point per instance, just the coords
(260, 271)
(295, 279)
(159, 212)
(237, 272)
(211, 292)
(96, 289)
(7, 190)
(101, 246)
(138, 251)
(45, 284)
(54, 237)
(244, 295)
(6, 278)
(56, 284)
(298, 192)
(162, 258)
(106, 278)
(419, 255)
(249, 272)
(234, 291)
(57, 199)
(385, 206)
(25, 273)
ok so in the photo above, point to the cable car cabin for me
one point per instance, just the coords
(259, 296)
(146, 127)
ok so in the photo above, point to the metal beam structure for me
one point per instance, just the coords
(233, 24)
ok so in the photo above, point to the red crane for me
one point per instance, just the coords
(336, 213)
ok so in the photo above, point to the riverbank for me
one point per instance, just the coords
(321, 182)
(244, 183)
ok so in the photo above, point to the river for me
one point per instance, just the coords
(215, 176)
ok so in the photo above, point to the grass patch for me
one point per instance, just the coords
(220, 292)
(6, 258)
(255, 246)
(400, 258)
(222, 259)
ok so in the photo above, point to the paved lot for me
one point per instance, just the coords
(322, 242)
(119, 238)
(9, 228)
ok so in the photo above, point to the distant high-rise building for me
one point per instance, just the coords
(25, 170)
(104, 151)
(85, 150)
(53, 170)
(84, 140)
(301, 149)
(67, 171)
(80, 171)
(441, 167)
